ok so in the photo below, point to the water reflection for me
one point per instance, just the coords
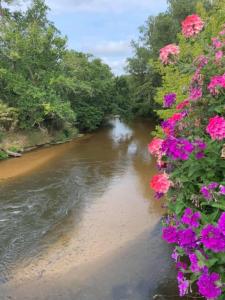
(74, 213)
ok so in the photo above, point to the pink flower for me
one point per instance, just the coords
(168, 53)
(192, 25)
(219, 55)
(216, 82)
(183, 104)
(195, 93)
(216, 128)
(155, 146)
(217, 43)
(160, 183)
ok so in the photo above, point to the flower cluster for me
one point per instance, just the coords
(193, 177)
(216, 83)
(169, 53)
(192, 25)
(216, 128)
(169, 99)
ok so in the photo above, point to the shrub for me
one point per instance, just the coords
(191, 157)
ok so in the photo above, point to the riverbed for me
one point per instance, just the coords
(79, 221)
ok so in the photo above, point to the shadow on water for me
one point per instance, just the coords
(82, 226)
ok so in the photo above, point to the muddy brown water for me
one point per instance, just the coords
(79, 222)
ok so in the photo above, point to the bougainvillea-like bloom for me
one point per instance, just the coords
(221, 223)
(169, 100)
(216, 128)
(213, 239)
(216, 82)
(155, 146)
(194, 263)
(177, 148)
(183, 284)
(208, 287)
(187, 238)
(192, 25)
(190, 218)
(217, 43)
(183, 104)
(169, 53)
(195, 93)
(160, 183)
(170, 234)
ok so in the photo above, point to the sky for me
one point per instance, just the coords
(103, 28)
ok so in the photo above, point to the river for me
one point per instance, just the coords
(79, 222)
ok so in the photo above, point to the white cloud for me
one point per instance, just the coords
(112, 48)
(117, 65)
(103, 5)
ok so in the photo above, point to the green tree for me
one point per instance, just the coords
(31, 53)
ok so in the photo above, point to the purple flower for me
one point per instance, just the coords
(206, 192)
(200, 146)
(177, 148)
(213, 185)
(187, 238)
(191, 218)
(199, 155)
(194, 263)
(207, 285)
(170, 234)
(183, 284)
(158, 195)
(222, 190)
(169, 100)
(181, 265)
(195, 93)
(175, 255)
(213, 239)
(221, 223)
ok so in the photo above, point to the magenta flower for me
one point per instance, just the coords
(195, 93)
(216, 128)
(194, 263)
(187, 238)
(183, 284)
(213, 239)
(190, 218)
(177, 148)
(206, 192)
(170, 234)
(169, 100)
(221, 223)
(208, 285)
(216, 82)
(222, 190)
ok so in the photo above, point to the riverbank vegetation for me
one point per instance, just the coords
(47, 87)
(190, 150)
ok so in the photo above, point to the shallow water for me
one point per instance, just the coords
(80, 221)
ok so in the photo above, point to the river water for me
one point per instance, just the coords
(79, 222)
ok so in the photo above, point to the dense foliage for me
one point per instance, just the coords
(45, 83)
(158, 31)
(190, 152)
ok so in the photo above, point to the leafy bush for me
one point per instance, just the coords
(190, 152)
